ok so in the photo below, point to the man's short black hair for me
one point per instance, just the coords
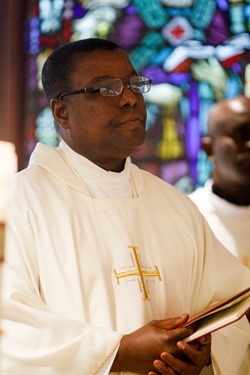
(60, 64)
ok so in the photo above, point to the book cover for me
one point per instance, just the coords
(220, 314)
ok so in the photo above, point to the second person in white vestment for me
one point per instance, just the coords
(225, 198)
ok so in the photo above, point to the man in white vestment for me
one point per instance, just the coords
(104, 261)
(225, 198)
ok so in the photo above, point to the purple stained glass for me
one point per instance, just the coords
(128, 32)
(223, 4)
(78, 11)
(218, 31)
(131, 10)
(237, 68)
(194, 99)
(173, 171)
(178, 78)
(155, 73)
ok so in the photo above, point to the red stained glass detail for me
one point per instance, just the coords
(177, 31)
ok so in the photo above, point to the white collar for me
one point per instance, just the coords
(222, 206)
(100, 183)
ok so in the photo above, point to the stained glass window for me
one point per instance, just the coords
(196, 53)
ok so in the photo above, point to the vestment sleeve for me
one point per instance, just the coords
(223, 272)
(35, 340)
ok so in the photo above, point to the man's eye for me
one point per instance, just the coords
(240, 136)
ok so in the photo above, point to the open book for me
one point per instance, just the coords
(220, 314)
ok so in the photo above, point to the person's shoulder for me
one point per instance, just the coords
(151, 179)
(197, 194)
(40, 159)
(156, 180)
(44, 155)
(202, 196)
(160, 188)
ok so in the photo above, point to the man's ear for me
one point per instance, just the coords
(207, 146)
(60, 112)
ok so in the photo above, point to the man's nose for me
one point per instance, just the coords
(128, 97)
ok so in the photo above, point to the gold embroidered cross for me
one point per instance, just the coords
(246, 260)
(138, 271)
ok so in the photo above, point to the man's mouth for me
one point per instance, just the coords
(133, 120)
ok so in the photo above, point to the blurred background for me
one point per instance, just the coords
(196, 53)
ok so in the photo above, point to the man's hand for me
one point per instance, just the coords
(139, 349)
(197, 356)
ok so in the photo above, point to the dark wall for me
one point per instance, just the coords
(12, 73)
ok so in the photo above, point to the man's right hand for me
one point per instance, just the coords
(139, 349)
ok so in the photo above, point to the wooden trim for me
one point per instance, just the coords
(12, 77)
(2, 237)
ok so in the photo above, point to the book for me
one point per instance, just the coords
(219, 314)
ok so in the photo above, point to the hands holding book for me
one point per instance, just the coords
(180, 345)
(195, 353)
(195, 356)
(159, 348)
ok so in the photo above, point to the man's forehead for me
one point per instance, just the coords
(101, 64)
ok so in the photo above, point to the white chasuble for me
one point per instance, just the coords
(229, 222)
(81, 271)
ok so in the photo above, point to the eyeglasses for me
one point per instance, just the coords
(114, 87)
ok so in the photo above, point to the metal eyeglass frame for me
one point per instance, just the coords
(137, 84)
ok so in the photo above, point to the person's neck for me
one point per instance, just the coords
(239, 195)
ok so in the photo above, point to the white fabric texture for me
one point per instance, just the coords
(231, 225)
(64, 310)
(229, 222)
